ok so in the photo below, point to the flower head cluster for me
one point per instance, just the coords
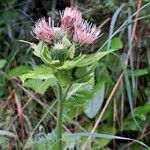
(68, 17)
(72, 23)
(43, 30)
(85, 33)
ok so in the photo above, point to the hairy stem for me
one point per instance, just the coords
(59, 117)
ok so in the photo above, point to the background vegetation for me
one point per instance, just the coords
(119, 103)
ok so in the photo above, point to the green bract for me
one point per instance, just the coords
(68, 70)
(60, 63)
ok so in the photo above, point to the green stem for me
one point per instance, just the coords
(59, 117)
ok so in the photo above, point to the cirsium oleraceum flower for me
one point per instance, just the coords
(68, 17)
(80, 30)
(43, 30)
(85, 32)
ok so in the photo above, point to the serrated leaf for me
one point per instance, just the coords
(44, 85)
(2, 63)
(41, 50)
(41, 72)
(84, 71)
(42, 141)
(78, 99)
(83, 74)
(64, 77)
(90, 59)
(72, 63)
(95, 102)
(84, 60)
(77, 87)
(19, 71)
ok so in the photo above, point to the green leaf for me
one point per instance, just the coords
(34, 46)
(77, 97)
(71, 51)
(141, 114)
(44, 85)
(66, 42)
(140, 72)
(37, 49)
(84, 60)
(104, 129)
(116, 43)
(95, 102)
(45, 55)
(19, 71)
(106, 136)
(128, 88)
(80, 87)
(76, 100)
(42, 141)
(70, 142)
(83, 74)
(85, 71)
(64, 77)
(71, 64)
(2, 63)
(90, 59)
(41, 50)
(41, 72)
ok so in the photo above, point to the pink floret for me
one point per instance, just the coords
(69, 17)
(43, 30)
(85, 33)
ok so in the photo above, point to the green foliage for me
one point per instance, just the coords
(116, 43)
(72, 63)
(95, 102)
(15, 72)
(104, 129)
(71, 51)
(2, 86)
(84, 60)
(2, 63)
(140, 72)
(41, 72)
(141, 114)
(44, 85)
(47, 141)
(42, 141)
(77, 97)
(38, 48)
(89, 77)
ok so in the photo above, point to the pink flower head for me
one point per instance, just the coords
(68, 17)
(43, 30)
(85, 33)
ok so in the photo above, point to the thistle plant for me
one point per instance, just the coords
(65, 55)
